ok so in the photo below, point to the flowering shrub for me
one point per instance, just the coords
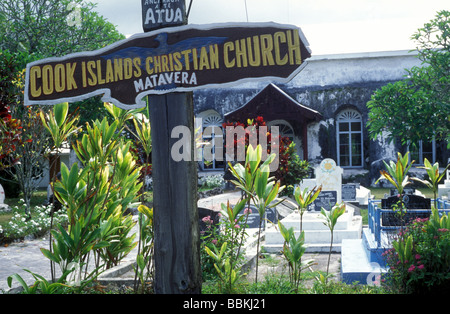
(212, 181)
(423, 265)
(219, 232)
(291, 169)
(21, 226)
(10, 128)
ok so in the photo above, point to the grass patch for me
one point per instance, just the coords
(379, 193)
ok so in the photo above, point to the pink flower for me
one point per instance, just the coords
(207, 220)
(214, 241)
(417, 256)
(411, 268)
(421, 266)
(247, 211)
(442, 230)
(237, 226)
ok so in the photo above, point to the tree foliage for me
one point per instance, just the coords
(418, 108)
(53, 28)
(41, 29)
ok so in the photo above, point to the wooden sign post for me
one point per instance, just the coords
(168, 62)
(175, 216)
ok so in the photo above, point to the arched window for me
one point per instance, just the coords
(212, 135)
(349, 139)
(284, 128)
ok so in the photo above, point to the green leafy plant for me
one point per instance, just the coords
(141, 271)
(64, 284)
(230, 227)
(253, 179)
(304, 199)
(331, 218)
(228, 274)
(96, 198)
(266, 190)
(434, 177)
(403, 246)
(41, 285)
(293, 250)
(61, 126)
(234, 228)
(397, 175)
(144, 269)
(397, 172)
(59, 123)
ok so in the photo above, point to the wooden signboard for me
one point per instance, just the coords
(175, 59)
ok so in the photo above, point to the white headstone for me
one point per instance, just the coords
(2, 195)
(329, 176)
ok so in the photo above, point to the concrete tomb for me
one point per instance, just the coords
(317, 235)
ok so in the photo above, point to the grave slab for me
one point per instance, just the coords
(317, 235)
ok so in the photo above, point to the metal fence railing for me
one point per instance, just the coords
(375, 213)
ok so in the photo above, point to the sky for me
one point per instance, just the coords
(330, 26)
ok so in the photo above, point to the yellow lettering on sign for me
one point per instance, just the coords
(157, 64)
(109, 72)
(227, 47)
(60, 78)
(47, 79)
(195, 58)
(128, 68)
(204, 60)
(266, 49)
(241, 53)
(83, 74)
(170, 56)
(137, 67)
(92, 81)
(294, 47)
(214, 56)
(118, 70)
(35, 73)
(254, 52)
(165, 63)
(70, 71)
(185, 54)
(178, 66)
(148, 62)
(279, 38)
(100, 79)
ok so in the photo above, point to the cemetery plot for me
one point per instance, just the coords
(416, 207)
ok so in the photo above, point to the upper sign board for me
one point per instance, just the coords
(162, 13)
(175, 59)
